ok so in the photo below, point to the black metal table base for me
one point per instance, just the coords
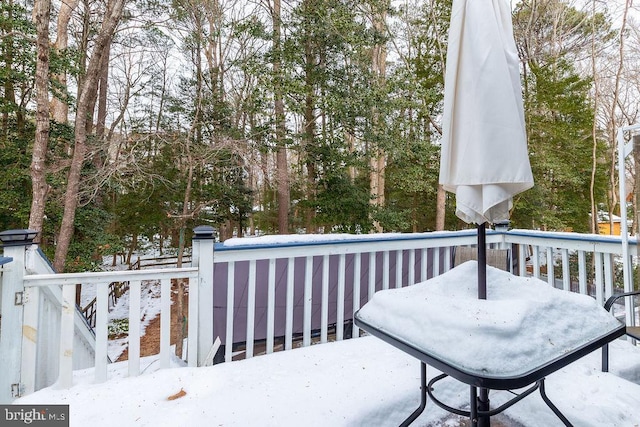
(423, 396)
(479, 411)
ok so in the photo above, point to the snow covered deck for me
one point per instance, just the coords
(357, 382)
(390, 261)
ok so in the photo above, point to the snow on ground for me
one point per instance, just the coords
(119, 314)
(149, 309)
(357, 382)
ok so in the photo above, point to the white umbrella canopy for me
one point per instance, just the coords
(484, 157)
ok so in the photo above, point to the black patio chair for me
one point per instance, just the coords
(632, 331)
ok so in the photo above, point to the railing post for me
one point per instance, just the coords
(202, 257)
(12, 309)
(65, 352)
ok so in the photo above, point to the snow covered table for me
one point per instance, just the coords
(524, 331)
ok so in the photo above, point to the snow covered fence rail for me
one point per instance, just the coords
(267, 290)
(601, 266)
(44, 337)
(135, 278)
(277, 288)
(301, 285)
(594, 256)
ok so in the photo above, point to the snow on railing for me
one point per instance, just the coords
(256, 294)
(274, 289)
(27, 318)
(597, 257)
(312, 280)
(135, 278)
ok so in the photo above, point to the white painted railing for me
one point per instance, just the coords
(544, 246)
(40, 331)
(288, 293)
(389, 250)
(102, 280)
(296, 278)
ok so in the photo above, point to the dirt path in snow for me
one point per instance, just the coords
(150, 341)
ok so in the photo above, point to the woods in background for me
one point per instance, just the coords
(129, 121)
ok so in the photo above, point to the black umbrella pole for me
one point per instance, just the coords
(483, 399)
(482, 261)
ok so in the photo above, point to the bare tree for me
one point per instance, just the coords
(378, 158)
(103, 84)
(282, 166)
(59, 108)
(86, 99)
(41, 14)
(423, 17)
(594, 129)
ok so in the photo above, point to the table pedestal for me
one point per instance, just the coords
(480, 412)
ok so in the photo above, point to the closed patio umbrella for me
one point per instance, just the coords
(484, 157)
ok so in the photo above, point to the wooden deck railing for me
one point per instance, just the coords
(254, 294)
(103, 280)
(276, 292)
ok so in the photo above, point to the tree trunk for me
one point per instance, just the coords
(309, 134)
(132, 248)
(441, 199)
(87, 93)
(195, 134)
(181, 240)
(378, 160)
(594, 128)
(102, 95)
(39, 184)
(351, 146)
(59, 108)
(6, 31)
(282, 166)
